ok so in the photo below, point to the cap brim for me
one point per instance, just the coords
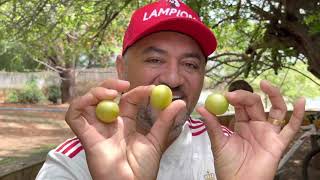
(196, 30)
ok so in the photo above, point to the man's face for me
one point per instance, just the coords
(169, 58)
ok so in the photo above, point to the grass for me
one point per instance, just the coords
(40, 151)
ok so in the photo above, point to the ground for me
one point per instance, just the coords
(29, 133)
(34, 133)
(25, 130)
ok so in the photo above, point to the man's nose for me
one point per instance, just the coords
(171, 76)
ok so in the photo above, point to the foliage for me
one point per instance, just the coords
(56, 34)
(30, 94)
(14, 57)
(53, 93)
(61, 35)
(256, 36)
(12, 97)
(292, 83)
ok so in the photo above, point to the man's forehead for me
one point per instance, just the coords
(160, 41)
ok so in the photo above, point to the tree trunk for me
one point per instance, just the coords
(308, 45)
(67, 84)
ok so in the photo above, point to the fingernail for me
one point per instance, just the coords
(231, 94)
(123, 81)
(113, 92)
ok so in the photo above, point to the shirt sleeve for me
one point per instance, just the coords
(61, 165)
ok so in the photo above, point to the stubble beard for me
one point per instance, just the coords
(147, 116)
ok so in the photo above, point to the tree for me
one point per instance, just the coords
(55, 34)
(293, 84)
(256, 36)
(14, 57)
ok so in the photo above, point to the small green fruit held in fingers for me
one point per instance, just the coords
(216, 104)
(107, 111)
(161, 97)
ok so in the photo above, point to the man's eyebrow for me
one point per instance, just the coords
(193, 55)
(153, 49)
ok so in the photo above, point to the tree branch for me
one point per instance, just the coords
(303, 74)
(227, 54)
(235, 16)
(47, 65)
(108, 19)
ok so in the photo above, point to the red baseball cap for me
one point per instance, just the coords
(169, 15)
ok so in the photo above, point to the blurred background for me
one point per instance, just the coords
(52, 51)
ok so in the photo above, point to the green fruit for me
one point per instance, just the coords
(216, 104)
(107, 111)
(161, 97)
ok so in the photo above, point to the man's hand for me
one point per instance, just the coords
(117, 150)
(254, 150)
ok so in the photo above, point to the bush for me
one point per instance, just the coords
(12, 97)
(53, 93)
(31, 93)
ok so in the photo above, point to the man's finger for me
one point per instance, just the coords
(251, 102)
(108, 90)
(240, 114)
(289, 131)
(133, 99)
(278, 109)
(116, 84)
(78, 106)
(217, 137)
(159, 132)
(93, 97)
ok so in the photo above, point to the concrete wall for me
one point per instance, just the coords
(16, 80)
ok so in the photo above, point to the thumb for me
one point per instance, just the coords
(159, 132)
(217, 137)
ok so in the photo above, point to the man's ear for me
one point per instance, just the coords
(120, 64)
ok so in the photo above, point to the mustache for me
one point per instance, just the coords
(147, 116)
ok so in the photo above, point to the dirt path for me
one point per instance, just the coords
(25, 131)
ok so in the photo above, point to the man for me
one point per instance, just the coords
(166, 43)
(238, 85)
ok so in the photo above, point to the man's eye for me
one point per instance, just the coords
(191, 66)
(153, 61)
